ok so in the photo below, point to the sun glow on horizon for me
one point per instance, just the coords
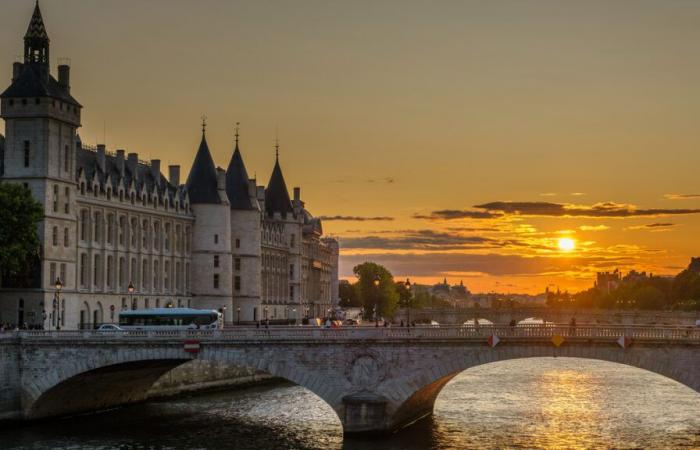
(566, 244)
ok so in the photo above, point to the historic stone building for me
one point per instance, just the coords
(113, 222)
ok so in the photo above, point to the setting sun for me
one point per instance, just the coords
(566, 244)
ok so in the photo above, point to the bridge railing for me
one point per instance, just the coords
(298, 333)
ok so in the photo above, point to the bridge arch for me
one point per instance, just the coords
(100, 379)
(419, 391)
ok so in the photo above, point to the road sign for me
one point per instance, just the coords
(192, 346)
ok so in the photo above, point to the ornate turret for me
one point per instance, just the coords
(276, 195)
(237, 181)
(36, 40)
(202, 183)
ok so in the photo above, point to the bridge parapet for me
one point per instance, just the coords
(307, 334)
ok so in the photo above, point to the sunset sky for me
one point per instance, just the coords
(457, 139)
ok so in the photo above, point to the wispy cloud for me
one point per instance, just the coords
(449, 214)
(657, 226)
(681, 196)
(356, 218)
(356, 179)
(606, 209)
(419, 240)
(593, 227)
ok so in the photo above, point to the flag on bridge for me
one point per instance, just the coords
(624, 341)
(493, 340)
(557, 340)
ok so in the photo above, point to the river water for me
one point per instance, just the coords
(534, 403)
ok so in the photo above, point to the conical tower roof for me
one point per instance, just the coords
(276, 195)
(201, 183)
(36, 29)
(237, 181)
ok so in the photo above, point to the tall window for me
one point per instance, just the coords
(83, 269)
(167, 237)
(216, 281)
(156, 273)
(134, 227)
(52, 274)
(109, 271)
(237, 283)
(26, 153)
(291, 292)
(216, 260)
(110, 228)
(292, 240)
(122, 272)
(216, 238)
(66, 205)
(144, 234)
(63, 273)
(144, 278)
(133, 271)
(291, 271)
(66, 237)
(166, 274)
(66, 166)
(237, 264)
(83, 224)
(55, 198)
(238, 243)
(122, 229)
(54, 236)
(97, 275)
(98, 227)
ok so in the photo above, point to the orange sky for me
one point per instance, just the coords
(401, 110)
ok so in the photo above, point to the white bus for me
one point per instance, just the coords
(170, 319)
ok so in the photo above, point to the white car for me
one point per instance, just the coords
(109, 327)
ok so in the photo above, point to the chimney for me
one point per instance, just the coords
(132, 162)
(101, 157)
(297, 194)
(16, 70)
(155, 170)
(220, 179)
(174, 175)
(120, 162)
(252, 189)
(64, 77)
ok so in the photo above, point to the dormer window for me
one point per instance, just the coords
(37, 101)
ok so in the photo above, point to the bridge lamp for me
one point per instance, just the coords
(376, 301)
(408, 303)
(130, 289)
(57, 301)
(238, 310)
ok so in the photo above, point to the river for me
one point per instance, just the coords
(534, 403)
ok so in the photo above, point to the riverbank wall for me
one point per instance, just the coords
(197, 376)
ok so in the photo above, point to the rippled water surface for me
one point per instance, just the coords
(536, 403)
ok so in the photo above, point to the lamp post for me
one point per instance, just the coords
(238, 310)
(131, 294)
(376, 300)
(408, 304)
(57, 303)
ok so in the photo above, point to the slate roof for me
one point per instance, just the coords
(276, 195)
(201, 183)
(36, 28)
(86, 159)
(34, 82)
(237, 182)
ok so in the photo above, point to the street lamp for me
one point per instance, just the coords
(131, 294)
(408, 303)
(57, 303)
(238, 310)
(376, 301)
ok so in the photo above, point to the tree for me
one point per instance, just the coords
(19, 243)
(383, 296)
(348, 295)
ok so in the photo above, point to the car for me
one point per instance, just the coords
(109, 328)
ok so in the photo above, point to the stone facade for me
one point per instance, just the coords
(112, 221)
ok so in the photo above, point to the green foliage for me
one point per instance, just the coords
(19, 243)
(383, 296)
(348, 295)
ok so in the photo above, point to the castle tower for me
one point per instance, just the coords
(245, 239)
(41, 119)
(211, 236)
(282, 296)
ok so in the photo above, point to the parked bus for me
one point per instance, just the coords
(170, 319)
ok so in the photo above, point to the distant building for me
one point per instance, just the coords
(111, 221)
(607, 282)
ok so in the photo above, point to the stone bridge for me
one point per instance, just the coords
(457, 316)
(375, 379)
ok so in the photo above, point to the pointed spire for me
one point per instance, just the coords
(36, 39)
(276, 195)
(202, 185)
(237, 180)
